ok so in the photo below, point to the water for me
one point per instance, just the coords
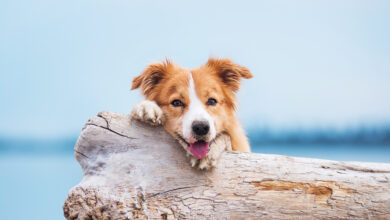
(34, 186)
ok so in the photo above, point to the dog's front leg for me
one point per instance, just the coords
(149, 112)
(238, 138)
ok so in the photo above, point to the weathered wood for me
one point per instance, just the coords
(132, 170)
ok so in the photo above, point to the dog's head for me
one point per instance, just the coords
(198, 103)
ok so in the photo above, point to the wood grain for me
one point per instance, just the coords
(135, 171)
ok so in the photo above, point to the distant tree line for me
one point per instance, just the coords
(375, 135)
(363, 135)
(37, 146)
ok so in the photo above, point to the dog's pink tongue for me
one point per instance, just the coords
(199, 149)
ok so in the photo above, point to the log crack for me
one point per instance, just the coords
(108, 129)
(80, 153)
(171, 190)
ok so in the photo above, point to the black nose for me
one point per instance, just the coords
(200, 127)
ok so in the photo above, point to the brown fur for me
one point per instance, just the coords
(218, 79)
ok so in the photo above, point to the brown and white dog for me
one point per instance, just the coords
(196, 106)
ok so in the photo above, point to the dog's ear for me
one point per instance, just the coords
(151, 77)
(229, 72)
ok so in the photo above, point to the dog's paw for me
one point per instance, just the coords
(206, 163)
(220, 145)
(149, 112)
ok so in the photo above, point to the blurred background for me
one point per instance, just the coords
(321, 85)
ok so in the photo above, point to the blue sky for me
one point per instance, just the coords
(316, 63)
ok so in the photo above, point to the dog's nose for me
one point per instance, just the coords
(200, 127)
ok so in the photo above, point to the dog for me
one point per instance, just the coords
(195, 106)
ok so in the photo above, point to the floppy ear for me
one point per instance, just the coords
(229, 72)
(150, 77)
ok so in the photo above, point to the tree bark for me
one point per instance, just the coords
(136, 171)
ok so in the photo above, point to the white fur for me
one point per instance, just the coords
(149, 112)
(196, 112)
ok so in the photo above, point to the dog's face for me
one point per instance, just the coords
(197, 103)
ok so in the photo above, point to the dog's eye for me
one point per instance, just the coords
(177, 103)
(211, 102)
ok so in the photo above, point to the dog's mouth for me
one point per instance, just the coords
(199, 149)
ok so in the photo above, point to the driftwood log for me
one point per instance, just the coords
(135, 171)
